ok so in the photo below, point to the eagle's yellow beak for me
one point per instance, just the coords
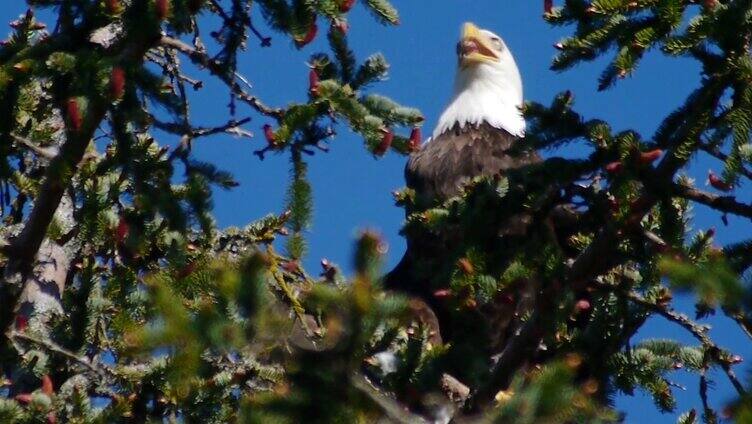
(475, 47)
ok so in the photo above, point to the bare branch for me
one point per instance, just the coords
(722, 203)
(44, 152)
(203, 60)
(390, 407)
(231, 127)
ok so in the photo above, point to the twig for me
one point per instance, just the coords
(722, 203)
(708, 411)
(655, 239)
(300, 272)
(287, 290)
(215, 68)
(46, 153)
(231, 127)
(743, 322)
(100, 369)
(716, 153)
(391, 408)
(698, 331)
(265, 41)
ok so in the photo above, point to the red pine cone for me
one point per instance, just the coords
(291, 266)
(614, 167)
(548, 5)
(416, 139)
(718, 183)
(113, 6)
(51, 418)
(23, 398)
(613, 203)
(186, 270)
(117, 82)
(310, 35)
(465, 265)
(313, 82)
(74, 114)
(442, 294)
(122, 230)
(651, 156)
(329, 270)
(163, 8)
(269, 134)
(346, 5)
(341, 25)
(582, 305)
(47, 387)
(386, 142)
(22, 321)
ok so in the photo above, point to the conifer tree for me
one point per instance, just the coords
(122, 301)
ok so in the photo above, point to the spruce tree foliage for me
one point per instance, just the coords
(121, 301)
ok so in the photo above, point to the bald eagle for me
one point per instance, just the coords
(480, 124)
(474, 137)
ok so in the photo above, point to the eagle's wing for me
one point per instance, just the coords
(438, 171)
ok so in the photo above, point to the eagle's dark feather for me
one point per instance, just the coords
(438, 171)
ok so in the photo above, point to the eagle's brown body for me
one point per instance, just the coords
(438, 172)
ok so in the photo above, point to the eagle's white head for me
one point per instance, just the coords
(487, 88)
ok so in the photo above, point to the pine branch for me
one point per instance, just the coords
(698, 331)
(100, 370)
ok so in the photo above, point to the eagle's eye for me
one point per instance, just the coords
(497, 43)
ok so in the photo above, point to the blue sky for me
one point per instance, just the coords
(352, 190)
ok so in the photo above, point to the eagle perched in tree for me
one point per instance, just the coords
(475, 137)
